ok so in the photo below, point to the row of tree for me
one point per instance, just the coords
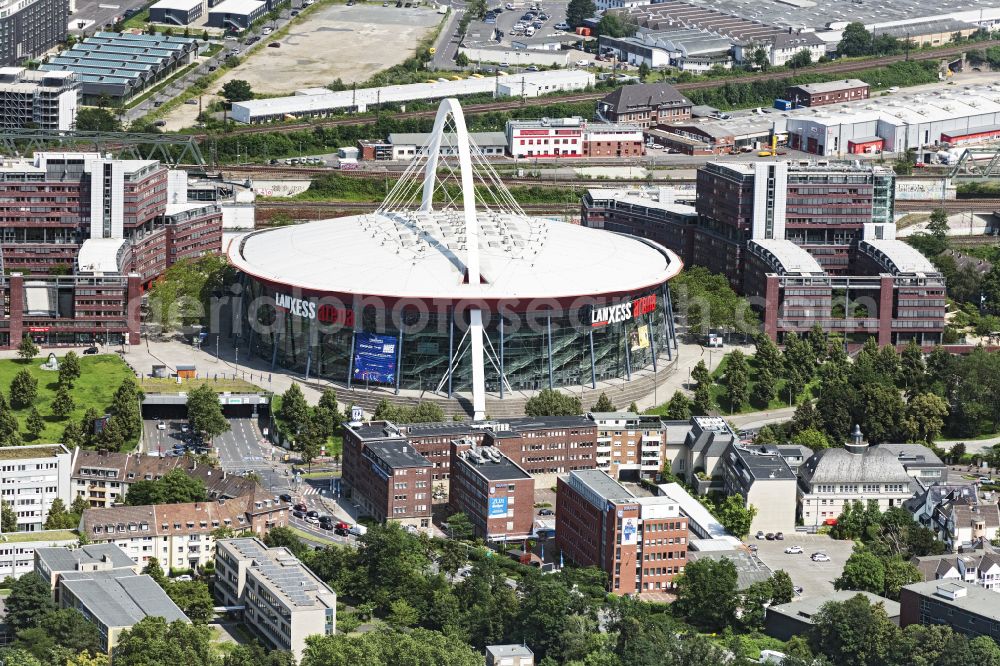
(310, 429)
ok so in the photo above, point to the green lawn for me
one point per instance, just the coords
(47, 535)
(100, 377)
(170, 385)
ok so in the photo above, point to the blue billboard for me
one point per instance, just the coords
(375, 358)
(498, 506)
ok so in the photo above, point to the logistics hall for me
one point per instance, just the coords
(434, 294)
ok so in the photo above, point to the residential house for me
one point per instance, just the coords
(978, 564)
(31, 478)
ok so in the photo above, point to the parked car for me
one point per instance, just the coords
(819, 557)
(90, 350)
(298, 514)
(183, 579)
(326, 522)
(313, 514)
(184, 427)
(561, 26)
(285, 497)
(312, 520)
(769, 536)
(301, 507)
(531, 68)
(358, 530)
(295, 12)
(274, 45)
(760, 534)
(779, 536)
(161, 426)
(752, 547)
(340, 531)
(546, 512)
(793, 550)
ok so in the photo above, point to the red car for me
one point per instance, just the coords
(301, 507)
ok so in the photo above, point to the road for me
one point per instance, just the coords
(447, 45)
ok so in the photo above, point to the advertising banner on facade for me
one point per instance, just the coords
(375, 358)
(639, 338)
(498, 506)
(630, 532)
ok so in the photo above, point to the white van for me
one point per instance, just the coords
(529, 31)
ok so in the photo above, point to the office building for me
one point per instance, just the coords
(640, 542)
(796, 618)
(52, 563)
(31, 478)
(631, 445)
(509, 655)
(834, 477)
(388, 479)
(236, 15)
(122, 65)
(30, 28)
(282, 601)
(572, 137)
(760, 475)
(966, 608)
(493, 491)
(645, 105)
(181, 536)
(115, 601)
(45, 100)
(543, 446)
(828, 92)
(407, 145)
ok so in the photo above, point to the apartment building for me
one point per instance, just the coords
(283, 601)
(30, 98)
(496, 493)
(978, 564)
(834, 477)
(31, 478)
(645, 105)
(52, 563)
(640, 542)
(966, 608)
(115, 601)
(762, 477)
(18, 549)
(572, 137)
(962, 521)
(389, 479)
(181, 536)
(543, 446)
(630, 444)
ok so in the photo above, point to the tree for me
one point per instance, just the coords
(59, 518)
(753, 605)
(924, 417)
(175, 487)
(735, 516)
(853, 633)
(282, 537)
(912, 367)
(643, 71)
(72, 435)
(802, 58)
(759, 59)
(806, 418)
(812, 438)
(477, 9)
(63, 404)
(881, 408)
(461, 59)
(678, 407)
(460, 527)
(193, 598)
(294, 409)
(59, 632)
(255, 655)
(35, 424)
(8, 518)
(27, 350)
(703, 401)
(18, 657)
(389, 647)
(603, 404)
(205, 412)
(764, 389)
(898, 573)
(155, 571)
(153, 642)
(549, 402)
(327, 412)
(700, 373)
(863, 571)
(782, 589)
(69, 368)
(238, 90)
(97, 120)
(402, 615)
(706, 593)
(126, 412)
(707, 301)
(855, 41)
(736, 381)
(23, 389)
(579, 10)
(29, 599)
(616, 25)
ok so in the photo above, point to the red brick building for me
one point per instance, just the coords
(184, 231)
(828, 92)
(493, 491)
(640, 542)
(645, 104)
(388, 479)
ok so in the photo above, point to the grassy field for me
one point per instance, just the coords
(99, 379)
(170, 385)
(47, 535)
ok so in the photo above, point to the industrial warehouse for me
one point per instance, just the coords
(317, 102)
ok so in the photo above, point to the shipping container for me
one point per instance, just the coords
(782, 105)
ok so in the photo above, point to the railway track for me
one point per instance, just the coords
(473, 109)
(950, 205)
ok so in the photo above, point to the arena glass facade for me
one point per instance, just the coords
(535, 348)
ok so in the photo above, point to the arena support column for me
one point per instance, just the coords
(549, 326)
(399, 358)
(593, 361)
(628, 354)
(502, 373)
(669, 313)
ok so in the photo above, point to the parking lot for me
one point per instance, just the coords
(556, 12)
(815, 578)
(336, 42)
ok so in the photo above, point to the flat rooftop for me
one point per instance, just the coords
(599, 484)
(71, 559)
(28, 452)
(831, 86)
(397, 453)
(764, 463)
(804, 609)
(492, 465)
(121, 598)
(284, 574)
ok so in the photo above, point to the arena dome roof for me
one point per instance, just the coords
(421, 255)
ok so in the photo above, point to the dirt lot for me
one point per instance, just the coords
(349, 43)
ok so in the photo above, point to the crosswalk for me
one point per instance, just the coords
(309, 490)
